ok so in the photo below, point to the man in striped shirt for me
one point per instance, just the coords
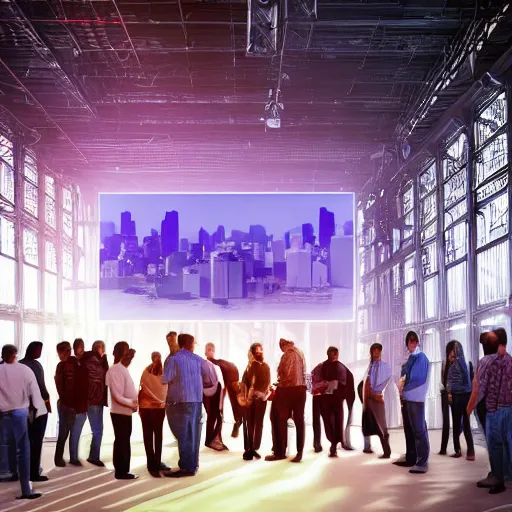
(187, 375)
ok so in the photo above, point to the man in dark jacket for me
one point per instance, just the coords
(97, 366)
(37, 426)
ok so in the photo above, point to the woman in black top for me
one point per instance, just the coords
(257, 383)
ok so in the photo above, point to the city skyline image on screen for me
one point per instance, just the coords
(221, 257)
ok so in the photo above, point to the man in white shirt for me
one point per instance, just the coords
(18, 390)
(213, 399)
(123, 395)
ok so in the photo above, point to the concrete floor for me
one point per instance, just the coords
(353, 482)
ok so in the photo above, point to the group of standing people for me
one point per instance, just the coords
(179, 387)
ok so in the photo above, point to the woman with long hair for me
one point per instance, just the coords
(152, 397)
(458, 385)
(255, 391)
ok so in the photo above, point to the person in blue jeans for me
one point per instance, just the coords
(413, 386)
(187, 374)
(18, 390)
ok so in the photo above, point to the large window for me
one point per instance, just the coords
(30, 186)
(490, 176)
(455, 222)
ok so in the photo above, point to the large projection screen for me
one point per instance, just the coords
(227, 257)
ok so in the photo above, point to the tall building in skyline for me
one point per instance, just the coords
(326, 227)
(170, 233)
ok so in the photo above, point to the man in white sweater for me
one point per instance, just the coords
(123, 395)
(18, 390)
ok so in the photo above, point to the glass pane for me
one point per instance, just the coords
(456, 282)
(363, 320)
(492, 274)
(51, 256)
(68, 298)
(429, 259)
(369, 293)
(81, 269)
(67, 200)
(67, 263)
(396, 280)
(409, 275)
(408, 225)
(6, 153)
(492, 188)
(30, 201)
(80, 237)
(428, 181)
(431, 297)
(6, 182)
(67, 224)
(407, 201)
(30, 169)
(432, 347)
(30, 287)
(428, 210)
(492, 158)
(456, 157)
(492, 220)
(50, 293)
(50, 212)
(429, 232)
(49, 186)
(396, 240)
(30, 252)
(410, 307)
(8, 332)
(455, 213)
(455, 243)
(30, 334)
(455, 189)
(8, 288)
(491, 119)
(7, 238)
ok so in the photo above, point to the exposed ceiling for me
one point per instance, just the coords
(165, 87)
